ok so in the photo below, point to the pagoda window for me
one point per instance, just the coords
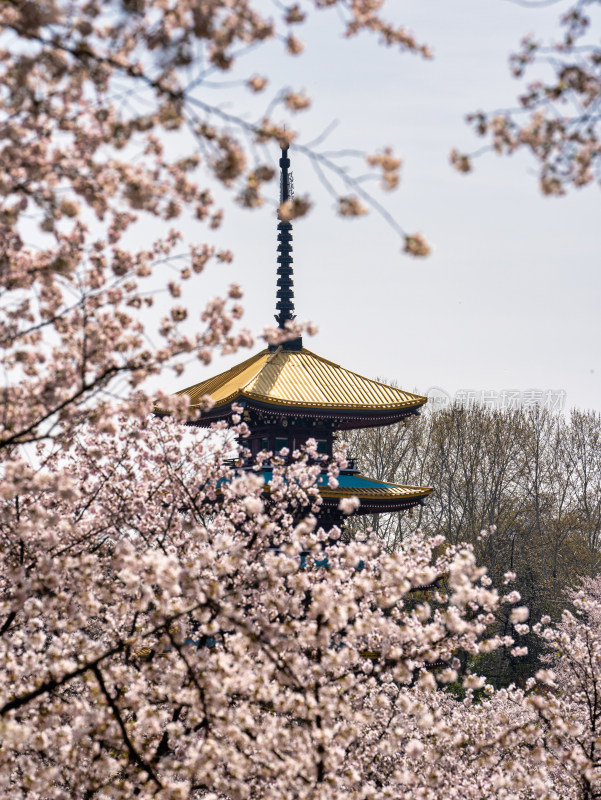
(264, 444)
(280, 442)
(322, 446)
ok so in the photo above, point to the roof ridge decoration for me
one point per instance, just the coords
(285, 283)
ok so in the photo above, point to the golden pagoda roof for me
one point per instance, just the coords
(377, 491)
(374, 495)
(300, 379)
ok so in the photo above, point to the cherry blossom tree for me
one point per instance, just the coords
(170, 628)
(557, 121)
(570, 711)
(169, 631)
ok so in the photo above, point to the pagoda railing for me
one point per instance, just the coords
(247, 463)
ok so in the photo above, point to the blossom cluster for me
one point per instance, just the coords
(556, 120)
(168, 629)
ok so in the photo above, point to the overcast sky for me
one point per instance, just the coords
(508, 301)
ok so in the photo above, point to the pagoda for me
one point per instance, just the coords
(289, 394)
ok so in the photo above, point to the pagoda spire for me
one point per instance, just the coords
(285, 283)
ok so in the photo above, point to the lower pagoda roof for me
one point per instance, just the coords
(304, 383)
(375, 496)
